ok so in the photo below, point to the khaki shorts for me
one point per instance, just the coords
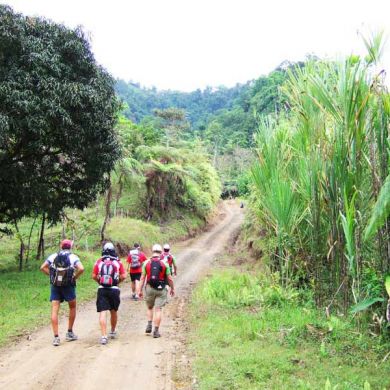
(155, 297)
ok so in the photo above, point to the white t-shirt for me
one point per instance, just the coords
(74, 260)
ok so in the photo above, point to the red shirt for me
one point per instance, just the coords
(142, 258)
(118, 264)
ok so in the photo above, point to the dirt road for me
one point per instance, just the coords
(132, 361)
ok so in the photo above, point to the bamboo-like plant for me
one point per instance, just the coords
(320, 169)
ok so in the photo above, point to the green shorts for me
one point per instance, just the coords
(155, 297)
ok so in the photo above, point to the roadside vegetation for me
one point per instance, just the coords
(320, 184)
(249, 332)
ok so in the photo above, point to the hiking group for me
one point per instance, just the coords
(155, 274)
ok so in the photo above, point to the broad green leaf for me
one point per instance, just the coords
(387, 284)
(381, 210)
(365, 304)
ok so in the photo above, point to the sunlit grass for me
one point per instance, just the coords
(248, 333)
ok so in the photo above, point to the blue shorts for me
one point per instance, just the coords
(66, 293)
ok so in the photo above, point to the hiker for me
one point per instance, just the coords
(108, 272)
(169, 259)
(156, 273)
(63, 268)
(135, 259)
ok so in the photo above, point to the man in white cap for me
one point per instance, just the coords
(168, 257)
(156, 273)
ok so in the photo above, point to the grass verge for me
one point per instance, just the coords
(24, 298)
(249, 333)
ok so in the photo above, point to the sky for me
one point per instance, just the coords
(189, 44)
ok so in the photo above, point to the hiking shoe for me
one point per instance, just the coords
(156, 334)
(70, 336)
(148, 328)
(112, 335)
(103, 340)
(56, 341)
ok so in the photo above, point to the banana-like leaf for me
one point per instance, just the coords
(387, 284)
(381, 210)
(365, 304)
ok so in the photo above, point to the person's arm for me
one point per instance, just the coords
(45, 268)
(128, 260)
(170, 282)
(95, 272)
(142, 281)
(122, 272)
(79, 269)
(174, 265)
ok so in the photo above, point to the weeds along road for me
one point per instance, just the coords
(132, 361)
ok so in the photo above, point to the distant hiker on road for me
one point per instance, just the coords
(63, 268)
(135, 259)
(108, 272)
(156, 273)
(169, 259)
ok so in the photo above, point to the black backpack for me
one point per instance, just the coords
(157, 274)
(61, 271)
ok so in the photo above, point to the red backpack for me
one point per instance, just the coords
(169, 259)
(109, 273)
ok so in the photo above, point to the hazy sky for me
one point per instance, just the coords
(189, 44)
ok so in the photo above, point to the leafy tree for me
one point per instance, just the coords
(174, 123)
(57, 113)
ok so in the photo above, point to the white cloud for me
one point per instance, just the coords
(186, 44)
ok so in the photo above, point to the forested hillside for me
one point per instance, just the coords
(224, 119)
(199, 105)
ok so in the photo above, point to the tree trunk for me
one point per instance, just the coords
(41, 242)
(22, 247)
(21, 255)
(107, 214)
(119, 194)
(29, 239)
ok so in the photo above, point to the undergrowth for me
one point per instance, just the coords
(248, 332)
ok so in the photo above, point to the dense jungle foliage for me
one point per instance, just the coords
(224, 119)
(321, 183)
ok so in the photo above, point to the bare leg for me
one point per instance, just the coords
(133, 287)
(72, 313)
(157, 316)
(114, 320)
(55, 308)
(102, 321)
(150, 314)
(136, 285)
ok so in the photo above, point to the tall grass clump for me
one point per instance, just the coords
(321, 181)
(249, 332)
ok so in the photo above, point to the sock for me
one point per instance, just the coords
(149, 322)
(56, 335)
(70, 330)
(156, 328)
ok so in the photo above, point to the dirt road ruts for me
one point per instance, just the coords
(132, 361)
